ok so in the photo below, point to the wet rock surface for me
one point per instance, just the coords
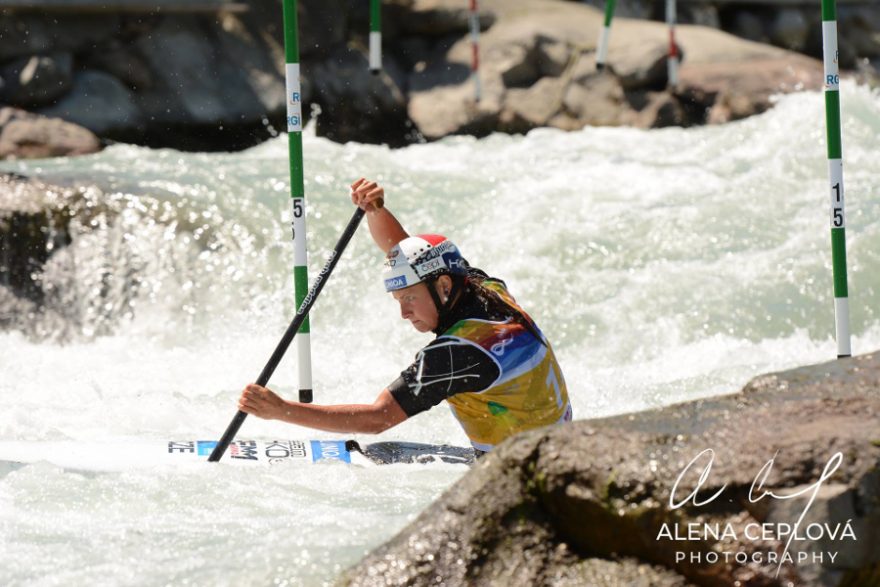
(540, 71)
(24, 135)
(215, 81)
(77, 260)
(591, 503)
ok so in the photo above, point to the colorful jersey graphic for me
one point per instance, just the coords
(496, 376)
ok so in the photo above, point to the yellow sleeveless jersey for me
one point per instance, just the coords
(530, 390)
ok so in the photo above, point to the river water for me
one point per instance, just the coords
(664, 266)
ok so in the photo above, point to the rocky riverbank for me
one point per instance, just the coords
(787, 475)
(197, 80)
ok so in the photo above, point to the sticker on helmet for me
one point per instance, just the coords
(428, 266)
(434, 252)
(395, 282)
(455, 263)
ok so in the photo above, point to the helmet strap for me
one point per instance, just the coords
(436, 297)
(443, 308)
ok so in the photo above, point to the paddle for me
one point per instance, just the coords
(301, 314)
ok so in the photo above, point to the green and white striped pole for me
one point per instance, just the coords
(604, 35)
(835, 176)
(375, 36)
(297, 193)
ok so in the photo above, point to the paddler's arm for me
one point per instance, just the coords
(373, 418)
(384, 227)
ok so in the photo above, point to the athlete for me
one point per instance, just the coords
(489, 360)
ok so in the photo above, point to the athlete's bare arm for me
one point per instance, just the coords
(384, 227)
(374, 418)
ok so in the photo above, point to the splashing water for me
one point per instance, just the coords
(664, 266)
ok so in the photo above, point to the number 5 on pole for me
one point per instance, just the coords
(297, 194)
(835, 177)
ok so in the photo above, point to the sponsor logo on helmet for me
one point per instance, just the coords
(458, 264)
(434, 252)
(428, 266)
(395, 282)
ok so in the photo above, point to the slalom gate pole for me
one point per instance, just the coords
(297, 193)
(474, 18)
(672, 61)
(604, 35)
(375, 36)
(835, 176)
(301, 315)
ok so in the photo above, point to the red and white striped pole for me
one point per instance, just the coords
(475, 49)
(672, 61)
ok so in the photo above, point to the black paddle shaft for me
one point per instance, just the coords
(301, 314)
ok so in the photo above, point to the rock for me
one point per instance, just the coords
(99, 102)
(532, 107)
(598, 100)
(376, 105)
(32, 33)
(450, 109)
(657, 110)
(441, 99)
(75, 261)
(208, 88)
(640, 62)
(29, 136)
(731, 91)
(118, 60)
(441, 18)
(700, 14)
(868, 74)
(327, 26)
(552, 57)
(790, 29)
(36, 80)
(858, 26)
(193, 85)
(46, 290)
(626, 8)
(750, 25)
(517, 64)
(31, 228)
(413, 52)
(240, 47)
(727, 78)
(217, 81)
(608, 498)
(717, 81)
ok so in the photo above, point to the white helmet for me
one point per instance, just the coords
(420, 258)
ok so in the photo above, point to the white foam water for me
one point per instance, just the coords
(664, 266)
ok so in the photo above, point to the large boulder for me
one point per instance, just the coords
(28, 33)
(36, 79)
(216, 81)
(356, 104)
(776, 485)
(24, 135)
(99, 102)
(33, 225)
(538, 68)
(438, 18)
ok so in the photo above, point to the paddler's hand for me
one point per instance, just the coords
(262, 402)
(367, 195)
